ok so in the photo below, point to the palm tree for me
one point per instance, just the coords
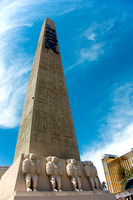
(104, 186)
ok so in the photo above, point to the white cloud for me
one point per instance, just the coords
(118, 131)
(69, 6)
(121, 112)
(95, 30)
(90, 34)
(93, 34)
(13, 88)
(89, 54)
(67, 10)
(15, 63)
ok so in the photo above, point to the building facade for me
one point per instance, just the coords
(3, 169)
(111, 164)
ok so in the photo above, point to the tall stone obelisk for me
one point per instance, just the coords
(47, 129)
(46, 126)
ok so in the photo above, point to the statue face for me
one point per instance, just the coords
(54, 159)
(73, 161)
(33, 157)
(26, 156)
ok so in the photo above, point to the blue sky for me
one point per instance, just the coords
(96, 45)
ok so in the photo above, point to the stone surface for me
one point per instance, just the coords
(97, 195)
(3, 169)
(46, 126)
(31, 170)
(91, 173)
(54, 171)
(14, 179)
(73, 170)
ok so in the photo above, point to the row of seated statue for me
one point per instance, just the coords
(31, 170)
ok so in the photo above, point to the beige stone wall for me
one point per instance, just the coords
(46, 125)
(10, 179)
(23, 142)
(97, 195)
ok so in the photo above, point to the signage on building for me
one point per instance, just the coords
(51, 40)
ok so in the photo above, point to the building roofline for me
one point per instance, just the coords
(108, 156)
(126, 152)
(4, 166)
(115, 156)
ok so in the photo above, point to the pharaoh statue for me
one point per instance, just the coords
(31, 170)
(91, 174)
(54, 171)
(74, 173)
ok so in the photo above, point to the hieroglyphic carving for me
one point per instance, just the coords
(55, 124)
(40, 137)
(41, 121)
(53, 107)
(43, 138)
(56, 140)
(40, 104)
(36, 136)
(63, 99)
(69, 143)
(42, 91)
(67, 128)
(53, 97)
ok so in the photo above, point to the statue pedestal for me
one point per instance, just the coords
(85, 195)
(12, 185)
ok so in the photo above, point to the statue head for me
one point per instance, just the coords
(88, 163)
(73, 161)
(26, 156)
(33, 156)
(54, 159)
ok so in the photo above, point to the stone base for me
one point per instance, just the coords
(85, 195)
(13, 180)
(12, 185)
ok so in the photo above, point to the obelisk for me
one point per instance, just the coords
(47, 129)
(46, 126)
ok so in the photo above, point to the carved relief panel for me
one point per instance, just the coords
(40, 137)
(42, 91)
(63, 99)
(41, 121)
(55, 125)
(53, 97)
(67, 128)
